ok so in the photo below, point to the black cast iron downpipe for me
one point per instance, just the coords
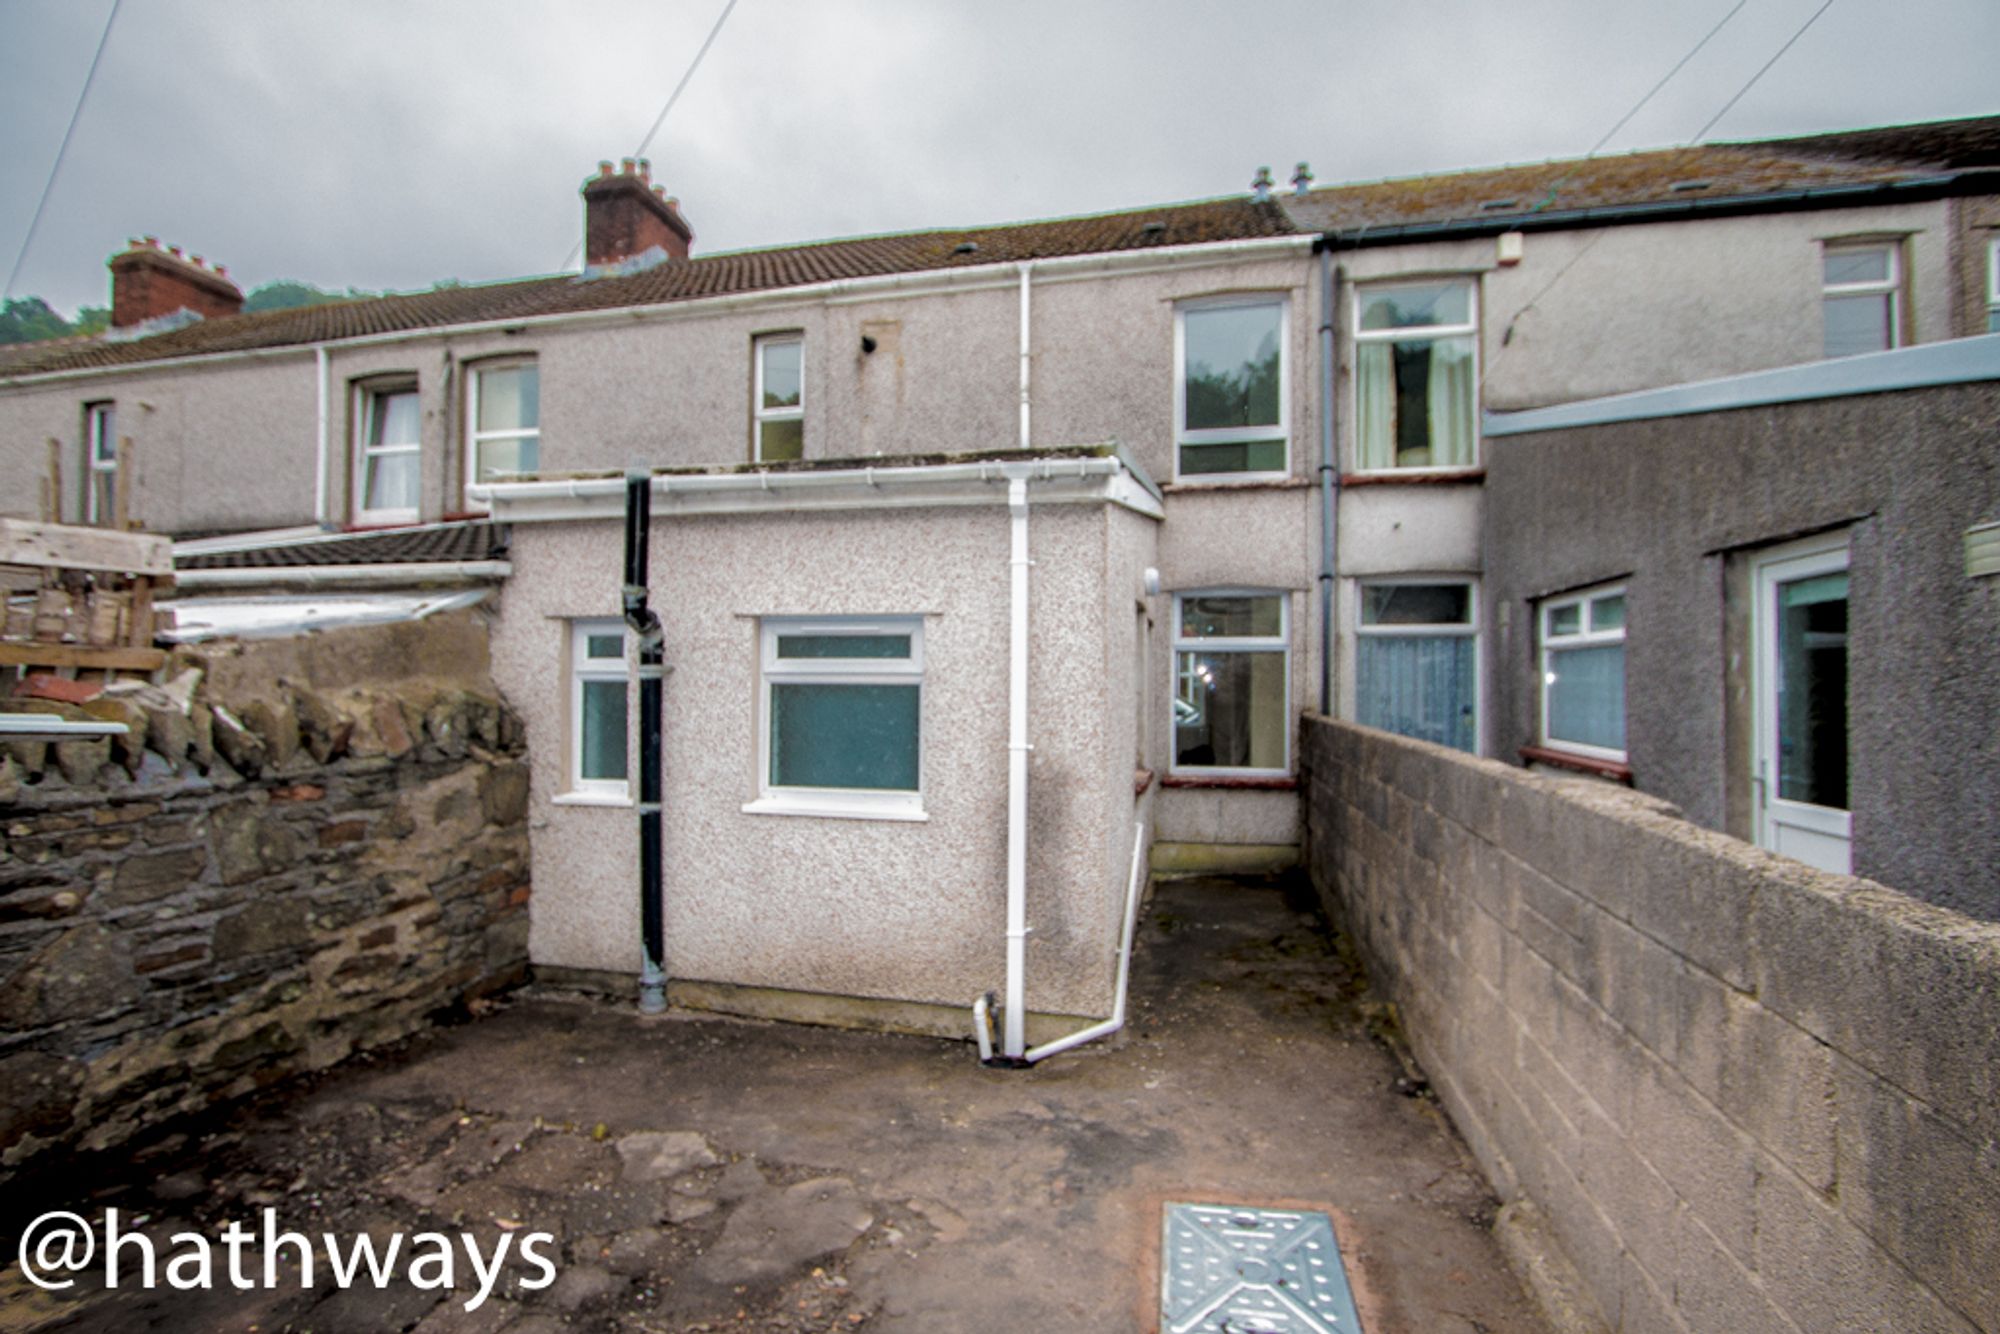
(644, 624)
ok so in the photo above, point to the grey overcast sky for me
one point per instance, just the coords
(393, 143)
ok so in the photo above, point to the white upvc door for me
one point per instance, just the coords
(1800, 626)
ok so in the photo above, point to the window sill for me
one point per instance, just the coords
(1221, 482)
(1585, 764)
(1414, 477)
(1237, 782)
(836, 809)
(590, 799)
(1141, 780)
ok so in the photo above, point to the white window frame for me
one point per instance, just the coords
(759, 414)
(474, 437)
(1227, 435)
(1586, 636)
(1993, 286)
(1427, 333)
(368, 398)
(100, 457)
(1467, 629)
(584, 668)
(1184, 643)
(836, 803)
(1891, 285)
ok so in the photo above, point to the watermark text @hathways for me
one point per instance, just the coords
(58, 1246)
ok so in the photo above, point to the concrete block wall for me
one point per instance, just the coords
(1746, 1095)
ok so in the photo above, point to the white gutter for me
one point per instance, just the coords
(316, 576)
(835, 291)
(320, 460)
(1086, 479)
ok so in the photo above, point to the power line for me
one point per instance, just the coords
(672, 98)
(48, 187)
(1762, 72)
(1666, 78)
(1588, 245)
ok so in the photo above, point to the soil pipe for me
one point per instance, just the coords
(645, 627)
(1329, 473)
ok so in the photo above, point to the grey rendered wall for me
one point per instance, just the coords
(897, 911)
(1745, 1094)
(1673, 505)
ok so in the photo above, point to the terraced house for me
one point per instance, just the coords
(1010, 555)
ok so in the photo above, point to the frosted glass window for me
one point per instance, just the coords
(1229, 408)
(844, 736)
(843, 716)
(1583, 673)
(598, 710)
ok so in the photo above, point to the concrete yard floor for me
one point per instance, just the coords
(705, 1174)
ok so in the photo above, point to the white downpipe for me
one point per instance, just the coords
(1027, 362)
(322, 451)
(1015, 1041)
(1117, 1019)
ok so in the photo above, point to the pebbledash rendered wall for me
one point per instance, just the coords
(308, 855)
(1675, 503)
(1746, 1095)
(802, 916)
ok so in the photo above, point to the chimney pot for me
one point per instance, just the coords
(1302, 180)
(1260, 185)
(604, 167)
(147, 283)
(625, 215)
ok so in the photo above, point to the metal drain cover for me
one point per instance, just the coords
(1227, 1269)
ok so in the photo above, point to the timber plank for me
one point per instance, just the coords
(69, 547)
(81, 656)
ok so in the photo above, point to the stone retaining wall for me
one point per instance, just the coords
(1744, 1094)
(255, 884)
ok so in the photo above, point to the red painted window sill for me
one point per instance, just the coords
(1451, 478)
(1287, 783)
(1562, 759)
(1141, 780)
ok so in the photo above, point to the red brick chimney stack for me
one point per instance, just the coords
(625, 214)
(148, 282)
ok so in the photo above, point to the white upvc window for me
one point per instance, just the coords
(1416, 669)
(100, 456)
(1416, 375)
(840, 719)
(1232, 683)
(1862, 297)
(503, 422)
(1582, 646)
(598, 768)
(1231, 389)
(387, 453)
(1993, 286)
(778, 417)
